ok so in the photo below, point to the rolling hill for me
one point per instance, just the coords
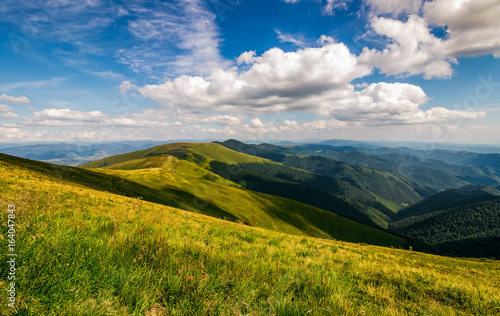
(85, 248)
(376, 189)
(460, 222)
(385, 185)
(262, 175)
(192, 188)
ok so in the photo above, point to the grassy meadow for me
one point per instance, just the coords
(83, 251)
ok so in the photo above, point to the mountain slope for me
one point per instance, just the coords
(384, 185)
(423, 167)
(464, 222)
(90, 252)
(448, 199)
(266, 176)
(197, 190)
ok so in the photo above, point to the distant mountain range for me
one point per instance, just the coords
(435, 170)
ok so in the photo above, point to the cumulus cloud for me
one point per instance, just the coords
(472, 26)
(11, 134)
(413, 49)
(471, 30)
(6, 112)
(394, 7)
(256, 123)
(316, 80)
(16, 100)
(276, 81)
(126, 86)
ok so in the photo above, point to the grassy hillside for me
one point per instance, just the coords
(188, 151)
(264, 176)
(83, 251)
(386, 186)
(456, 222)
(195, 189)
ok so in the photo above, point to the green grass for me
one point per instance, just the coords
(188, 174)
(189, 151)
(335, 194)
(83, 251)
(195, 189)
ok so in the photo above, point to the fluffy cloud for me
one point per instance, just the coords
(440, 115)
(11, 134)
(394, 7)
(471, 30)
(6, 112)
(314, 80)
(472, 26)
(126, 86)
(67, 114)
(275, 81)
(413, 50)
(256, 123)
(222, 120)
(17, 100)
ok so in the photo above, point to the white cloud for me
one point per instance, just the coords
(256, 123)
(472, 26)
(126, 86)
(222, 120)
(288, 38)
(315, 80)
(16, 100)
(275, 81)
(471, 30)
(6, 112)
(413, 49)
(332, 5)
(323, 125)
(394, 7)
(329, 6)
(67, 114)
(247, 58)
(182, 36)
(11, 134)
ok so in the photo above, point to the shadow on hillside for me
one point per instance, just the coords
(472, 247)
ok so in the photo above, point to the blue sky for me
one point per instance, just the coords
(93, 71)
